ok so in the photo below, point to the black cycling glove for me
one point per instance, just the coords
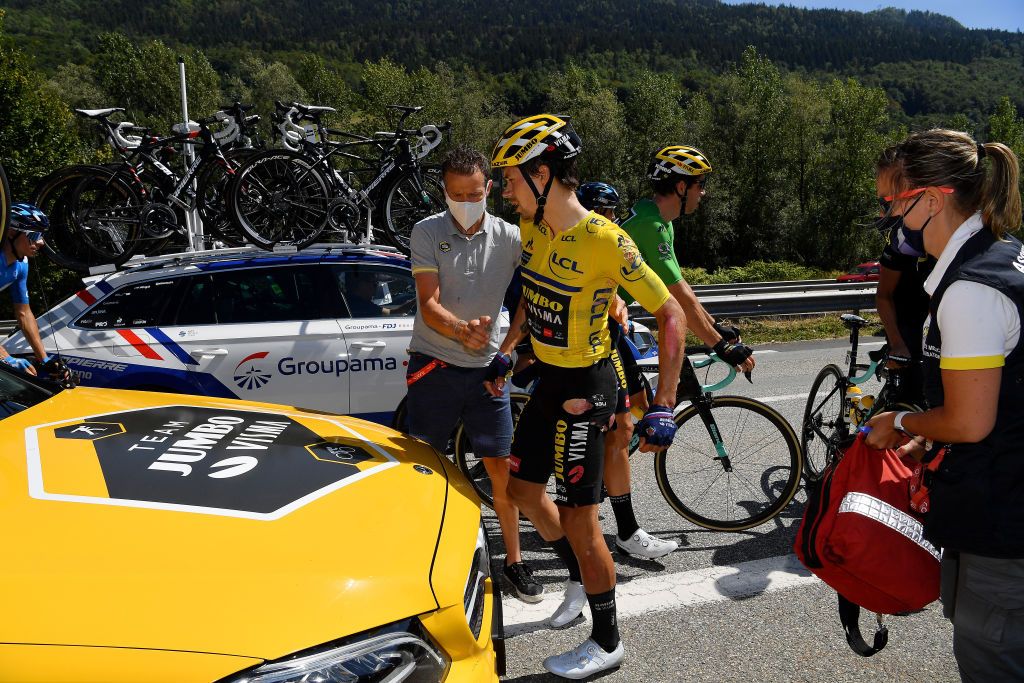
(500, 366)
(733, 354)
(657, 427)
(730, 333)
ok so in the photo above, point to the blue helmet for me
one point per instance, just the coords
(597, 196)
(28, 218)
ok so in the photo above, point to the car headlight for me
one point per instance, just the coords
(399, 653)
(476, 584)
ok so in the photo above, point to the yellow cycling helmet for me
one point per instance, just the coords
(545, 135)
(688, 162)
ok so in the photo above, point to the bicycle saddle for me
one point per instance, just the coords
(851, 320)
(313, 109)
(99, 113)
(402, 107)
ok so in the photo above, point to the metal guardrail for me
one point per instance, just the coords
(748, 299)
(759, 299)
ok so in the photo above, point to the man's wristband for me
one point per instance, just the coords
(897, 423)
(457, 328)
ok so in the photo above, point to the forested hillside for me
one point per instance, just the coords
(792, 106)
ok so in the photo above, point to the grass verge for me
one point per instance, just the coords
(795, 328)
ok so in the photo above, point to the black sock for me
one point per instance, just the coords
(564, 551)
(606, 629)
(625, 520)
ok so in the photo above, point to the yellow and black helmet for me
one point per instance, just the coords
(544, 135)
(678, 161)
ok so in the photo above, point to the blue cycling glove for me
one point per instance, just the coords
(17, 363)
(500, 366)
(657, 426)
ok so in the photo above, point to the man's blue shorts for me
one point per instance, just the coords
(445, 394)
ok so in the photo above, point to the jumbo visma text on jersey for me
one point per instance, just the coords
(569, 281)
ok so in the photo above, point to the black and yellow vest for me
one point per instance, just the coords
(977, 493)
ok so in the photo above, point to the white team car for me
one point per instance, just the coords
(327, 328)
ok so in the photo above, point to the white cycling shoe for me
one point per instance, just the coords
(584, 660)
(571, 607)
(642, 544)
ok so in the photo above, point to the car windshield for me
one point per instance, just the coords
(18, 393)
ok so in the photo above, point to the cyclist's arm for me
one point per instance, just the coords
(618, 312)
(630, 271)
(886, 305)
(517, 330)
(671, 348)
(700, 322)
(27, 322)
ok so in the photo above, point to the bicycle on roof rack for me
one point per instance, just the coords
(290, 196)
(105, 214)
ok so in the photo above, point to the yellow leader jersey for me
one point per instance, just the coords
(569, 281)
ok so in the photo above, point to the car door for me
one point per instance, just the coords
(380, 306)
(265, 334)
(118, 342)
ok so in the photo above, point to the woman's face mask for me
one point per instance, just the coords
(904, 240)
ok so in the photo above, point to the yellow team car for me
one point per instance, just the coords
(157, 537)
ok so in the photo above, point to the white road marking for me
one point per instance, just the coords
(666, 592)
(783, 398)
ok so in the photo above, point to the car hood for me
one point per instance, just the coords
(157, 521)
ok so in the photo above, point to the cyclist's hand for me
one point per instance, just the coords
(730, 333)
(497, 373)
(57, 370)
(738, 355)
(476, 332)
(19, 364)
(656, 429)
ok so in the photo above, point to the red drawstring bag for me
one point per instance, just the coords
(861, 537)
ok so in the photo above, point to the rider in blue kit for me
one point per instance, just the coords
(26, 231)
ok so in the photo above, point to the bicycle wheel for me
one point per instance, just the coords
(279, 197)
(824, 425)
(52, 195)
(105, 210)
(211, 193)
(472, 466)
(411, 198)
(5, 201)
(764, 457)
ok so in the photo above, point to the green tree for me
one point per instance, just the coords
(754, 112)
(144, 80)
(597, 117)
(36, 131)
(838, 231)
(1006, 126)
(654, 119)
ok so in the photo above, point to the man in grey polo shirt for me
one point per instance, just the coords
(463, 260)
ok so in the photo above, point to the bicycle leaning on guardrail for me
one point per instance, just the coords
(836, 406)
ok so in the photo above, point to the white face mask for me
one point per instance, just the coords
(467, 213)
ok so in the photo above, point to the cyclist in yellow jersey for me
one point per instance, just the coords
(573, 260)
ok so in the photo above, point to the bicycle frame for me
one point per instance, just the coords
(703, 401)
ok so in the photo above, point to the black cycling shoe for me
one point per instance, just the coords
(521, 578)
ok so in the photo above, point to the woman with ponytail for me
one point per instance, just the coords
(957, 200)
